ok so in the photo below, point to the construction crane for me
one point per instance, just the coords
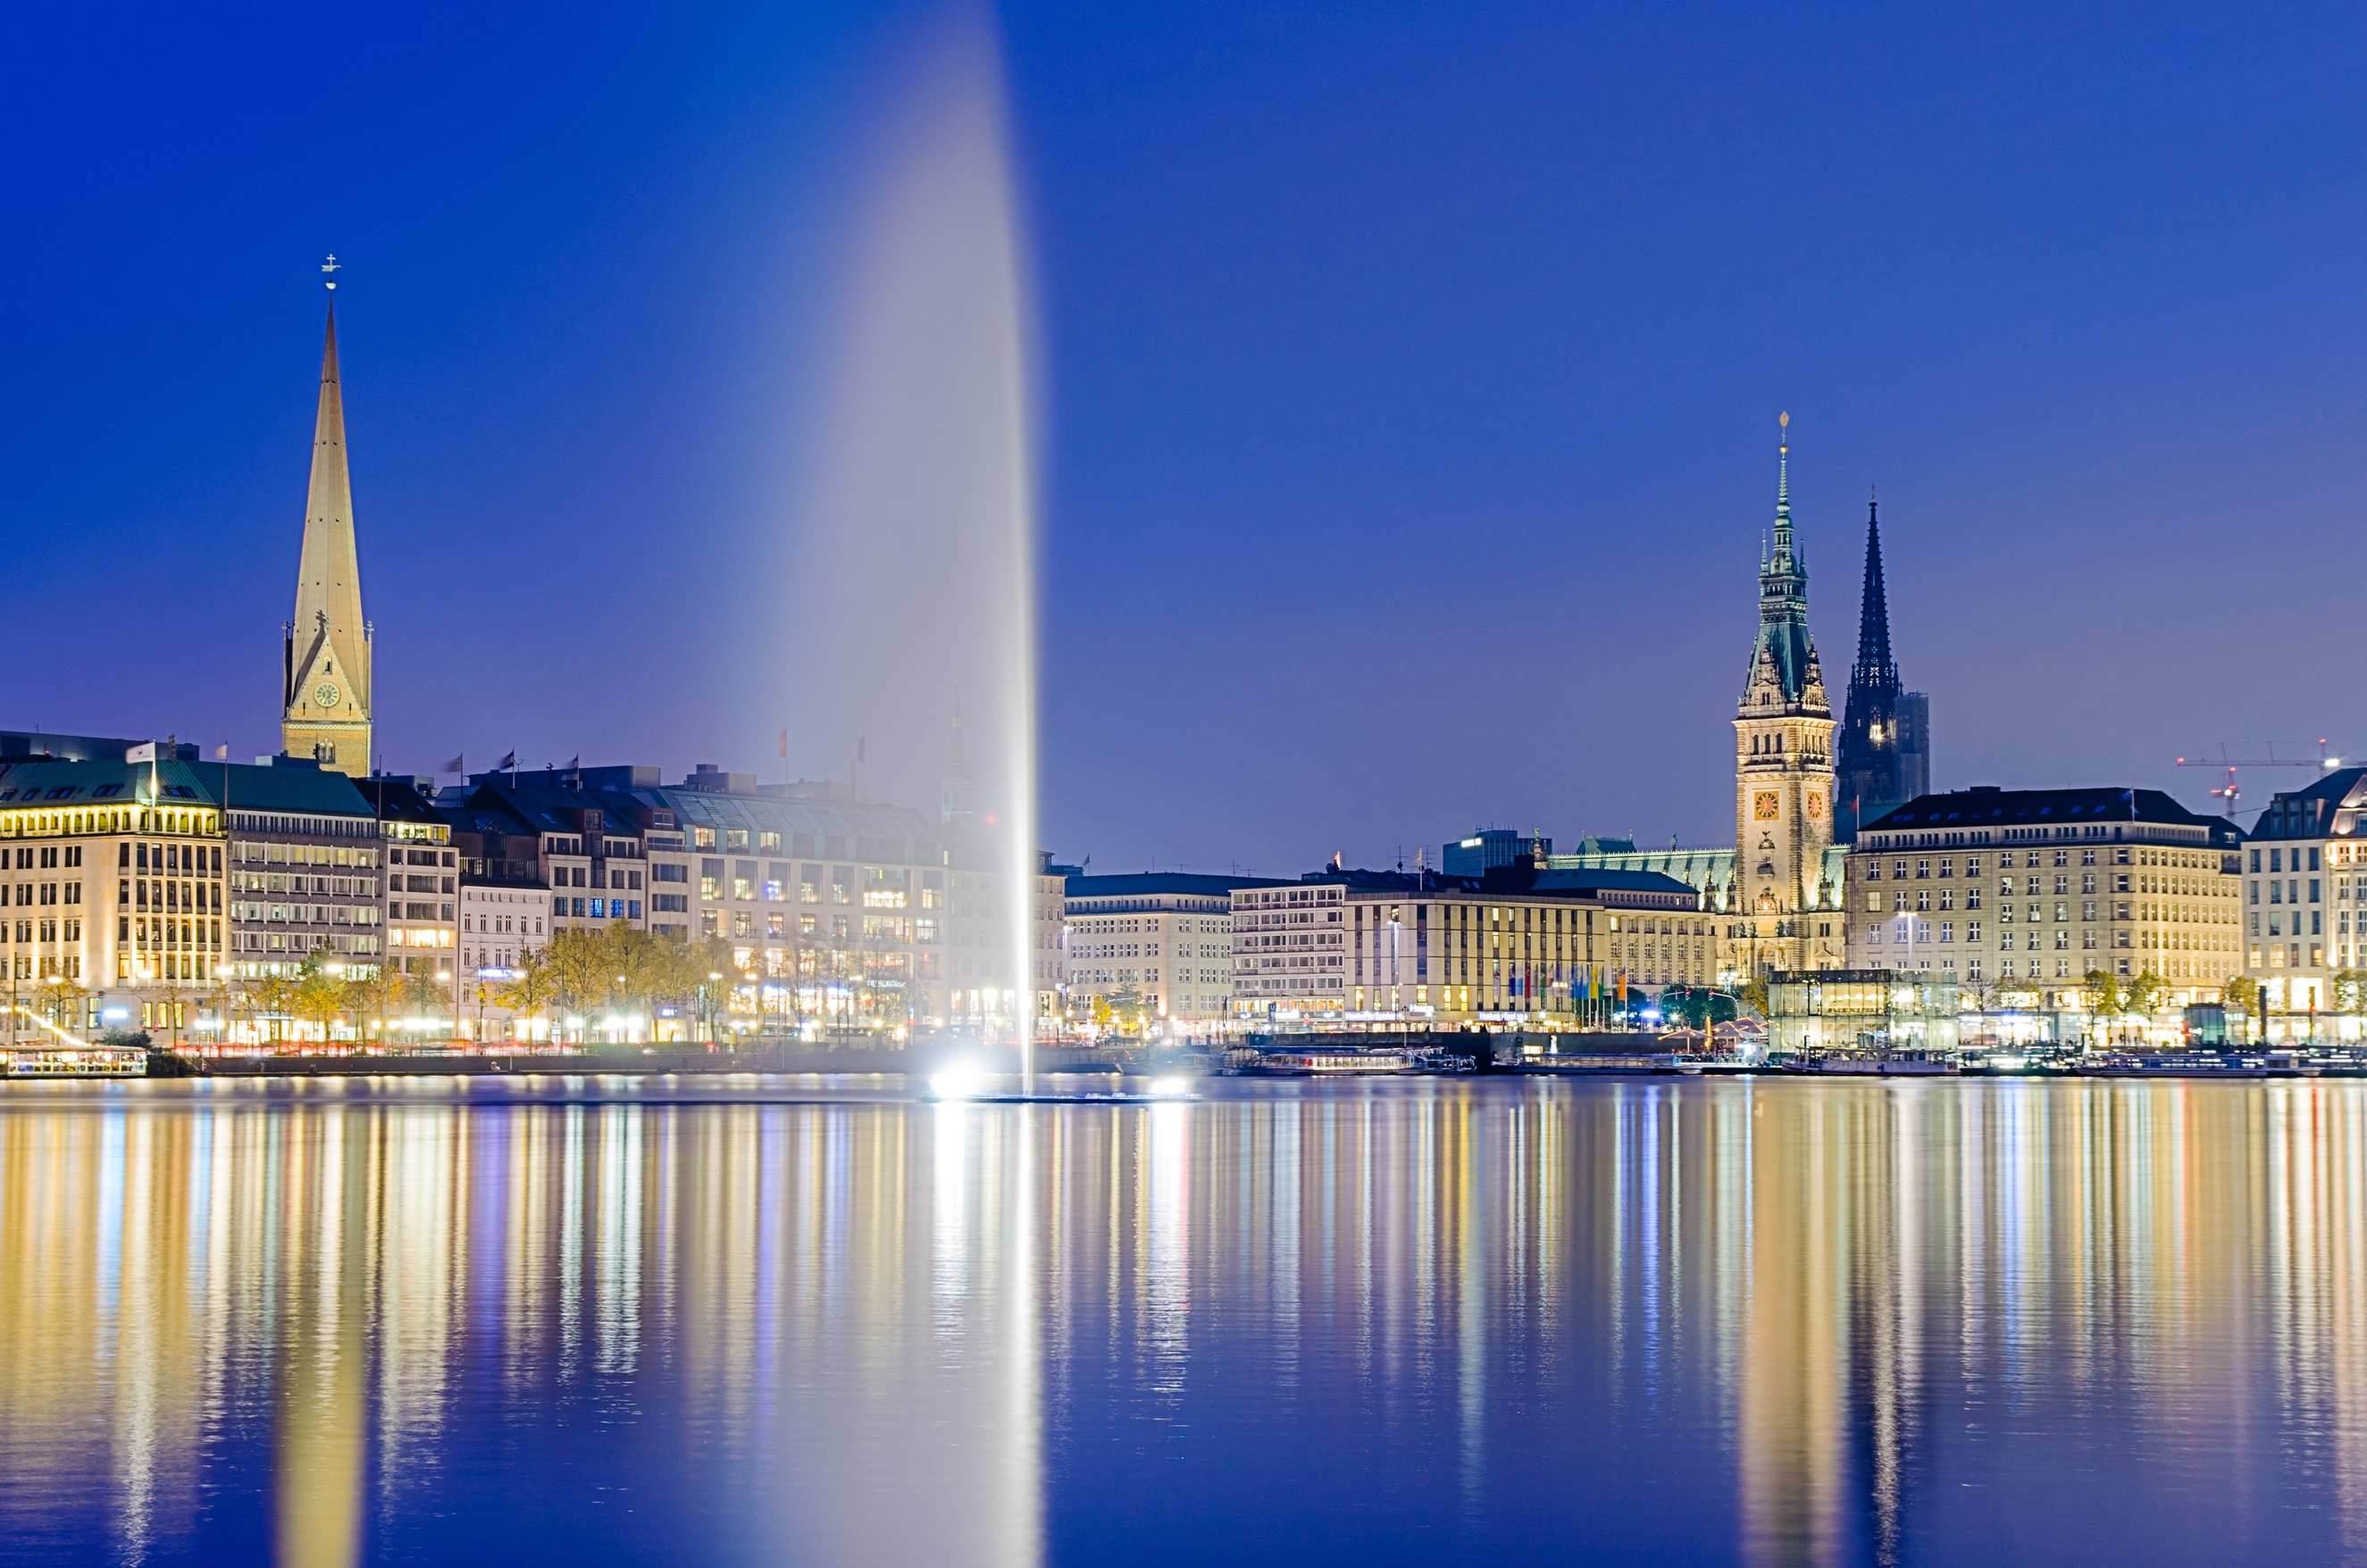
(2229, 793)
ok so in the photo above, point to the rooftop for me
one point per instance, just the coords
(230, 786)
(1983, 808)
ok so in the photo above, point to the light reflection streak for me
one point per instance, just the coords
(1871, 1286)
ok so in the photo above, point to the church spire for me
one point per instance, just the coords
(1875, 669)
(954, 808)
(1784, 489)
(326, 705)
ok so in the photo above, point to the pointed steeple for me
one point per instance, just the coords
(953, 798)
(1875, 669)
(325, 706)
(1784, 646)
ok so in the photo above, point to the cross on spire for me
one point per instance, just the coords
(330, 266)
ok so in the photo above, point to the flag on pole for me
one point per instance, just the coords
(456, 766)
(141, 753)
(221, 752)
(785, 743)
(506, 762)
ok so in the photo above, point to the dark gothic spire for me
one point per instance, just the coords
(1875, 670)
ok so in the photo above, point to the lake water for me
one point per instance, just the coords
(797, 1320)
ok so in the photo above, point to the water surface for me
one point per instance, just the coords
(799, 1320)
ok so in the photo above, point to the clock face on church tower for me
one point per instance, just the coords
(324, 696)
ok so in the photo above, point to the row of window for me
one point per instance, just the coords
(1872, 864)
(923, 929)
(276, 882)
(601, 908)
(141, 894)
(310, 914)
(575, 876)
(501, 925)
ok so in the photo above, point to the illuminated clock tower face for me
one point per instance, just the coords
(324, 696)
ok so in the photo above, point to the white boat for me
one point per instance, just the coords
(59, 1061)
(1898, 1065)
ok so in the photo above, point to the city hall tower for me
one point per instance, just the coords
(1783, 765)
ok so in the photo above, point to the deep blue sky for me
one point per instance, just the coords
(1410, 381)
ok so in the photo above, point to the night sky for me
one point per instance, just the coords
(1409, 383)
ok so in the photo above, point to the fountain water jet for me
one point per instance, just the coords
(919, 573)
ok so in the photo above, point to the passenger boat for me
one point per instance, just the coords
(59, 1061)
(1318, 1061)
(1884, 1065)
(2175, 1065)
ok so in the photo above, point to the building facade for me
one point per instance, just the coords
(307, 866)
(2040, 886)
(138, 893)
(423, 877)
(113, 884)
(1885, 757)
(2304, 892)
(868, 910)
(1516, 943)
(504, 899)
(1050, 955)
(1159, 940)
(585, 834)
(325, 701)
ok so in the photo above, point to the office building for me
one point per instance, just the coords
(1517, 943)
(2304, 892)
(423, 876)
(2039, 886)
(1157, 941)
(133, 886)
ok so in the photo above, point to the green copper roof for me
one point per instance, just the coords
(1784, 652)
(70, 786)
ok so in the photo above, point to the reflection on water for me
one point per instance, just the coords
(1767, 1321)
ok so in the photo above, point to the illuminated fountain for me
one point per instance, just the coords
(917, 577)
